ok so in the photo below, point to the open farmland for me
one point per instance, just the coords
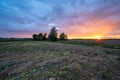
(38, 60)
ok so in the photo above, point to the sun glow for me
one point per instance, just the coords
(97, 37)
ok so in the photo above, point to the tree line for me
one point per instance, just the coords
(53, 36)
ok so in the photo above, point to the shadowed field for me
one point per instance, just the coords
(37, 60)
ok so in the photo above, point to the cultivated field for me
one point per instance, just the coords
(37, 60)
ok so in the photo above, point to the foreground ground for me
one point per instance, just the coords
(36, 60)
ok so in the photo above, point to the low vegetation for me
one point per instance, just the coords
(53, 36)
(91, 43)
(40, 60)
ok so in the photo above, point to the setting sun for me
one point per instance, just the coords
(97, 37)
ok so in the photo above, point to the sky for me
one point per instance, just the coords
(77, 18)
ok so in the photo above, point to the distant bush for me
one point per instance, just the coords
(45, 36)
(53, 36)
(39, 37)
(35, 37)
(63, 36)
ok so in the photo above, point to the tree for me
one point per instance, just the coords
(35, 37)
(53, 34)
(45, 36)
(40, 36)
(63, 36)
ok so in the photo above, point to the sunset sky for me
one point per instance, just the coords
(77, 18)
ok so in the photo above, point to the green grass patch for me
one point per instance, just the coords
(112, 52)
(113, 46)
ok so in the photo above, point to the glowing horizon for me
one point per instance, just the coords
(95, 37)
(87, 19)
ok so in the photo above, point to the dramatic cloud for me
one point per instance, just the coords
(77, 18)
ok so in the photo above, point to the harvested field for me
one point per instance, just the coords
(37, 60)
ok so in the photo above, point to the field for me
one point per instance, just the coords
(62, 60)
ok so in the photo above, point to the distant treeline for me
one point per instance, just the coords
(14, 39)
(53, 36)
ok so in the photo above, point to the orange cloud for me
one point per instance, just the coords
(91, 29)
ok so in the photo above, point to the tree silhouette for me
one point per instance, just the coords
(35, 37)
(63, 36)
(45, 36)
(53, 34)
(40, 36)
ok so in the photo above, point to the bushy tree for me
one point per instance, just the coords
(35, 37)
(40, 36)
(53, 34)
(45, 36)
(63, 36)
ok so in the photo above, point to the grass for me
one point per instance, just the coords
(91, 43)
(5, 66)
(31, 60)
(112, 52)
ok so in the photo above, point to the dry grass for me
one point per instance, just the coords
(45, 60)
